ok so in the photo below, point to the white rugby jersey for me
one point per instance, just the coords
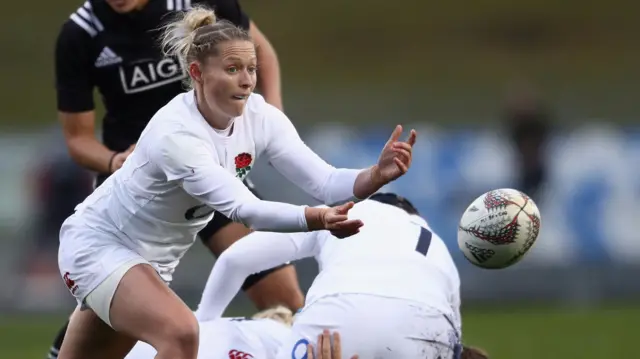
(395, 255)
(182, 169)
(231, 338)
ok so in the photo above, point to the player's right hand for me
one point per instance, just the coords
(118, 159)
(327, 350)
(335, 219)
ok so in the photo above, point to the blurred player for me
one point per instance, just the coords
(236, 338)
(246, 338)
(112, 45)
(120, 248)
(392, 290)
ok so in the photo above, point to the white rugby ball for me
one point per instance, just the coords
(499, 228)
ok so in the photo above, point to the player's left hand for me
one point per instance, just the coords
(395, 158)
(327, 350)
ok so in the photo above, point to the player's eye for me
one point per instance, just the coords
(232, 69)
(252, 69)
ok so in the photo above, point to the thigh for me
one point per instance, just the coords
(144, 308)
(278, 286)
(88, 337)
(87, 257)
(220, 233)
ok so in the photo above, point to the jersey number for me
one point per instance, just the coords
(196, 212)
(424, 241)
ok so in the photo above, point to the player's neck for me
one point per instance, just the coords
(218, 121)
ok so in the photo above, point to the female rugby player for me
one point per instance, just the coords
(120, 248)
(112, 45)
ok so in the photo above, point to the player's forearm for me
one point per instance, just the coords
(269, 82)
(273, 216)
(90, 153)
(367, 183)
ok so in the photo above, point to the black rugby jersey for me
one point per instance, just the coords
(120, 54)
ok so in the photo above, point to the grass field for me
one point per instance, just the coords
(506, 334)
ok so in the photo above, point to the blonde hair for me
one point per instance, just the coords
(194, 35)
(277, 313)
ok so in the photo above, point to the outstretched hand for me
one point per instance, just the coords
(335, 219)
(396, 156)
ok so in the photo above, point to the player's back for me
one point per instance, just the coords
(395, 255)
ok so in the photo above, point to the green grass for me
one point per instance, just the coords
(523, 333)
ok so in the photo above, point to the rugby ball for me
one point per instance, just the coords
(499, 228)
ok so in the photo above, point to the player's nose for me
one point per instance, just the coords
(246, 80)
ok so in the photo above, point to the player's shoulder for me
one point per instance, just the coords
(175, 122)
(83, 22)
(262, 113)
(257, 105)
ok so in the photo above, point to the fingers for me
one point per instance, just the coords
(344, 208)
(336, 349)
(325, 339)
(402, 146)
(412, 138)
(332, 218)
(401, 165)
(346, 231)
(352, 223)
(403, 154)
(395, 135)
(309, 351)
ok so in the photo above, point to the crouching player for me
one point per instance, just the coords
(392, 290)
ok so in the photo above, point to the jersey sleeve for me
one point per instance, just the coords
(73, 69)
(300, 165)
(254, 253)
(184, 157)
(229, 10)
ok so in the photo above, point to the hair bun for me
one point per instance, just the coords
(198, 17)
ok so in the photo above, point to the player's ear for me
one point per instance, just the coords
(195, 72)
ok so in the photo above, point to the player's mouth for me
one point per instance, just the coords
(240, 97)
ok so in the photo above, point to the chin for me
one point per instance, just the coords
(237, 111)
(122, 7)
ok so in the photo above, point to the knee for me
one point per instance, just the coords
(181, 339)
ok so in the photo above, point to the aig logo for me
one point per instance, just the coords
(148, 75)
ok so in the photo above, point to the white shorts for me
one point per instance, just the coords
(373, 327)
(92, 264)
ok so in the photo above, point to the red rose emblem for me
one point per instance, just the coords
(243, 164)
(243, 160)
(70, 283)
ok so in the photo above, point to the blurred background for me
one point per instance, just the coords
(538, 95)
